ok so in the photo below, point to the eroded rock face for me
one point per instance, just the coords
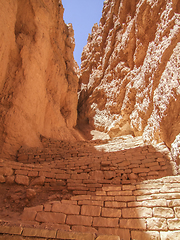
(38, 83)
(130, 71)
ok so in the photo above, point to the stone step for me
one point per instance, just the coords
(87, 173)
(150, 208)
(17, 233)
(82, 165)
(110, 190)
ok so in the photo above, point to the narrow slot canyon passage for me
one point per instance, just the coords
(90, 153)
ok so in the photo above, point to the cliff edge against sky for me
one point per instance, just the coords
(130, 71)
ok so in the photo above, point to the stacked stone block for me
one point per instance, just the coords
(148, 210)
(125, 193)
(81, 169)
(29, 233)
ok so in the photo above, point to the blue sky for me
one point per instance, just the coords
(82, 14)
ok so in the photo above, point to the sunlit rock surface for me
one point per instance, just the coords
(38, 83)
(130, 71)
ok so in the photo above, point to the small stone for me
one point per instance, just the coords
(88, 210)
(97, 175)
(157, 224)
(21, 179)
(60, 183)
(177, 211)
(133, 176)
(38, 233)
(174, 224)
(2, 179)
(10, 179)
(75, 235)
(10, 230)
(79, 220)
(163, 212)
(147, 235)
(111, 212)
(175, 235)
(106, 237)
(38, 181)
(47, 207)
(105, 222)
(30, 194)
(65, 208)
(53, 197)
(6, 171)
(51, 217)
(109, 174)
(124, 176)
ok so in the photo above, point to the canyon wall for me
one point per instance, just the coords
(130, 72)
(38, 83)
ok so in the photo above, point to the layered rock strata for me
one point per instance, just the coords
(38, 83)
(130, 71)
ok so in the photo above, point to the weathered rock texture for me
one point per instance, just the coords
(38, 85)
(130, 71)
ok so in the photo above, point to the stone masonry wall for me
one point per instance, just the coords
(81, 169)
(147, 210)
(125, 193)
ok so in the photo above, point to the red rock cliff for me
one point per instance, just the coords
(130, 71)
(38, 85)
